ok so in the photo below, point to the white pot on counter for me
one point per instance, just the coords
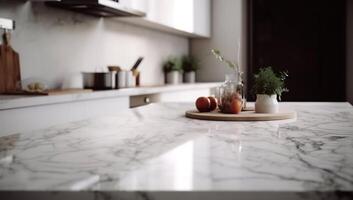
(189, 77)
(121, 79)
(173, 77)
(130, 79)
(266, 103)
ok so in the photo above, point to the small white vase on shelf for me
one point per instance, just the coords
(266, 103)
(173, 77)
(189, 77)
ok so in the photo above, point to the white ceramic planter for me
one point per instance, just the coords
(189, 77)
(266, 104)
(173, 77)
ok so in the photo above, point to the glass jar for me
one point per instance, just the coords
(232, 88)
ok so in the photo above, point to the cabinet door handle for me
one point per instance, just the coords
(147, 100)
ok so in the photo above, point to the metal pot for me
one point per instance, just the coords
(98, 80)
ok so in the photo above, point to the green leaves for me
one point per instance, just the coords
(267, 82)
(184, 63)
(173, 64)
(219, 57)
(190, 63)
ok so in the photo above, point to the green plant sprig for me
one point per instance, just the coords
(218, 55)
(269, 83)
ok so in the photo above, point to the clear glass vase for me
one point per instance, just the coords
(231, 89)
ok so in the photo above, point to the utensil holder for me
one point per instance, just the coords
(121, 79)
(130, 79)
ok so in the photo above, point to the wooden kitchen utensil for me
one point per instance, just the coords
(10, 75)
(136, 73)
(243, 116)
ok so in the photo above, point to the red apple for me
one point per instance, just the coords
(203, 104)
(213, 102)
(236, 106)
(236, 96)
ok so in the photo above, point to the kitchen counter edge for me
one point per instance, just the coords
(20, 101)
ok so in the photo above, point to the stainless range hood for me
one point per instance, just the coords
(7, 24)
(101, 8)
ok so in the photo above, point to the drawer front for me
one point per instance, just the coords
(142, 100)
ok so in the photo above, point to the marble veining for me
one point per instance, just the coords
(155, 148)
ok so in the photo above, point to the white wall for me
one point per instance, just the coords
(228, 30)
(56, 45)
(349, 54)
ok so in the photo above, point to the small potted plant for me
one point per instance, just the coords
(172, 69)
(190, 65)
(268, 86)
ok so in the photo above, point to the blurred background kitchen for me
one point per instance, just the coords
(57, 44)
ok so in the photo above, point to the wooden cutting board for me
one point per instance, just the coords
(10, 75)
(243, 116)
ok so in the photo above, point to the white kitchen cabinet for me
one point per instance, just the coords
(26, 113)
(172, 96)
(174, 13)
(25, 119)
(185, 96)
(28, 118)
(191, 18)
(140, 5)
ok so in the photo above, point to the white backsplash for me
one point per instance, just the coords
(57, 45)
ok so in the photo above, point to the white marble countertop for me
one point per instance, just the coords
(155, 148)
(19, 101)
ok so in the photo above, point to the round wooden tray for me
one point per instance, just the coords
(247, 115)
